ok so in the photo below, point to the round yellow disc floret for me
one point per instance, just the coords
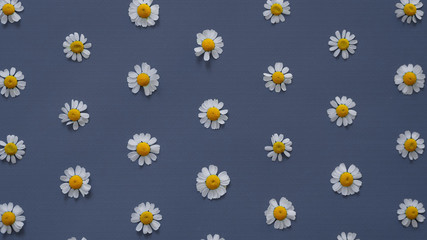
(278, 77)
(74, 114)
(146, 217)
(213, 113)
(409, 78)
(411, 212)
(280, 213)
(75, 182)
(212, 182)
(208, 45)
(77, 47)
(279, 147)
(143, 79)
(346, 179)
(8, 218)
(343, 44)
(10, 82)
(410, 145)
(144, 11)
(8, 9)
(143, 149)
(342, 110)
(276, 9)
(410, 9)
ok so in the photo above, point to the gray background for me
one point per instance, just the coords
(251, 44)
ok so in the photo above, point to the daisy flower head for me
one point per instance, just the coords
(280, 145)
(74, 114)
(11, 218)
(343, 43)
(147, 216)
(144, 77)
(210, 43)
(73, 238)
(12, 149)
(213, 237)
(75, 181)
(277, 77)
(211, 113)
(280, 213)
(342, 111)
(410, 144)
(209, 184)
(410, 212)
(11, 81)
(144, 148)
(409, 10)
(276, 10)
(143, 13)
(76, 47)
(409, 79)
(9, 11)
(348, 236)
(346, 181)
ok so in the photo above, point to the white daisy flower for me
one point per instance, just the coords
(145, 77)
(409, 79)
(342, 43)
(278, 77)
(73, 238)
(346, 181)
(147, 217)
(211, 113)
(213, 237)
(143, 148)
(210, 184)
(142, 13)
(280, 214)
(280, 145)
(409, 10)
(210, 43)
(341, 111)
(75, 181)
(348, 236)
(11, 218)
(12, 149)
(276, 10)
(9, 11)
(11, 82)
(76, 47)
(410, 144)
(410, 212)
(74, 114)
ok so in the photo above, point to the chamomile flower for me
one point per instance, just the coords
(342, 111)
(210, 43)
(209, 184)
(281, 145)
(280, 213)
(278, 77)
(409, 78)
(75, 181)
(73, 238)
(12, 149)
(76, 47)
(74, 115)
(410, 144)
(276, 10)
(346, 181)
(343, 43)
(143, 148)
(11, 81)
(147, 216)
(213, 237)
(211, 113)
(142, 13)
(144, 77)
(348, 236)
(9, 11)
(11, 218)
(409, 10)
(410, 212)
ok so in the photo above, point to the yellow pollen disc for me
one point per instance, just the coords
(8, 9)
(10, 149)
(410, 9)
(74, 114)
(280, 213)
(346, 179)
(143, 79)
(279, 147)
(208, 45)
(75, 182)
(144, 11)
(278, 77)
(343, 44)
(143, 149)
(276, 9)
(342, 110)
(77, 47)
(212, 182)
(410, 145)
(146, 217)
(409, 78)
(411, 212)
(213, 113)
(10, 82)
(8, 218)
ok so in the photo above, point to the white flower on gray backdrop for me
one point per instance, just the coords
(144, 148)
(409, 78)
(147, 216)
(209, 184)
(277, 77)
(410, 144)
(343, 43)
(11, 81)
(211, 113)
(280, 145)
(76, 47)
(144, 77)
(76, 181)
(12, 149)
(348, 236)
(9, 11)
(74, 115)
(346, 181)
(276, 10)
(280, 213)
(410, 212)
(342, 111)
(210, 43)
(142, 13)
(409, 10)
(11, 218)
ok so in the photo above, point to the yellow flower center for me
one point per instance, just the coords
(143, 79)
(410, 145)
(409, 78)
(10, 149)
(77, 47)
(146, 217)
(346, 179)
(212, 182)
(75, 182)
(343, 44)
(10, 82)
(278, 77)
(276, 9)
(74, 114)
(208, 45)
(8, 9)
(8, 218)
(143, 149)
(342, 110)
(213, 113)
(278, 147)
(280, 213)
(410, 9)
(144, 11)
(411, 212)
